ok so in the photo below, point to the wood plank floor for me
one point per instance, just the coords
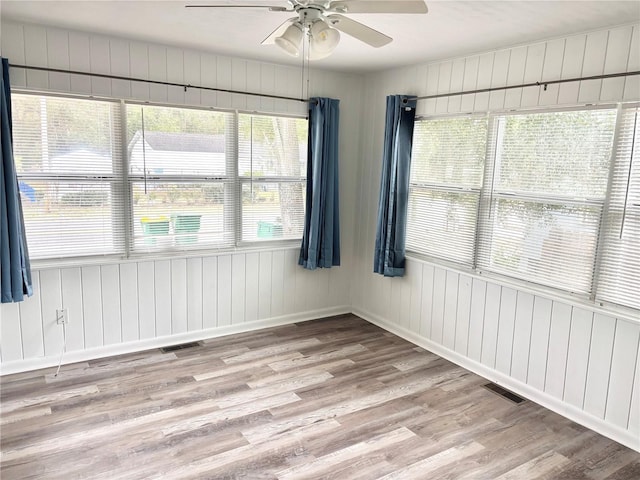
(333, 398)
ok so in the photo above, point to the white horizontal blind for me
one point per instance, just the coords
(619, 277)
(181, 172)
(68, 158)
(447, 164)
(272, 166)
(550, 177)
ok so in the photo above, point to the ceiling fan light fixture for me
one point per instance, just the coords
(290, 40)
(324, 39)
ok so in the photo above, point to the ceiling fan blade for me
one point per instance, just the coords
(271, 8)
(358, 30)
(379, 6)
(271, 39)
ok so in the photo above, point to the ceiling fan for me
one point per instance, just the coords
(323, 20)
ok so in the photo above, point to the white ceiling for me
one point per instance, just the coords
(450, 29)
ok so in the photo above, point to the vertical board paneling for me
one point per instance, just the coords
(50, 295)
(147, 299)
(552, 70)
(439, 292)
(158, 72)
(252, 286)
(558, 349)
(522, 337)
(253, 85)
(223, 72)
(179, 323)
(463, 314)
(506, 324)
(444, 81)
(594, 56)
(476, 319)
(35, 48)
(616, 60)
(100, 63)
(540, 330)
(632, 84)
(58, 57)
(290, 268)
(634, 414)
(72, 297)
(112, 324)
(264, 287)
(139, 67)
(210, 292)
(162, 283)
(224, 290)
(192, 77)
(10, 336)
(595, 396)
(79, 60)
(415, 308)
(129, 301)
(571, 68)
(450, 310)
(239, 82)
(175, 74)
(515, 76)
(578, 356)
(92, 307)
(209, 78)
(12, 41)
(623, 363)
(499, 79)
(119, 61)
(277, 283)
(195, 299)
(427, 300)
(457, 77)
(31, 321)
(433, 73)
(238, 286)
(267, 80)
(533, 73)
(485, 72)
(490, 331)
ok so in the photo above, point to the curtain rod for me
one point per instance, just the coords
(156, 82)
(533, 84)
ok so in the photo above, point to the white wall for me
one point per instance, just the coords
(127, 306)
(579, 360)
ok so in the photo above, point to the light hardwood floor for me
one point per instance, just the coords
(333, 398)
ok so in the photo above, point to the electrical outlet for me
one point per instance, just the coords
(61, 316)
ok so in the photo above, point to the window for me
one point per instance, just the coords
(556, 205)
(550, 173)
(272, 165)
(619, 273)
(180, 179)
(444, 193)
(181, 176)
(67, 154)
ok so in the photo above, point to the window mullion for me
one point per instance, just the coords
(126, 191)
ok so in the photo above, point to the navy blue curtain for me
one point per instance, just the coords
(15, 272)
(321, 239)
(394, 186)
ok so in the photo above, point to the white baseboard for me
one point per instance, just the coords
(26, 365)
(552, 403)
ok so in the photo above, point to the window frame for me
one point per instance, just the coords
(485, 217)
(123, 182)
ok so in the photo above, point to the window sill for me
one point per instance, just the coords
(245, 247)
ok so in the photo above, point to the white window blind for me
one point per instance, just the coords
(181, 172)
(68, 158)
(619, 274)
(447, 164)
(541, 219)
(272, 168)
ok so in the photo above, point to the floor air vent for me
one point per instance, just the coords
(504, 393)
(182, 346)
